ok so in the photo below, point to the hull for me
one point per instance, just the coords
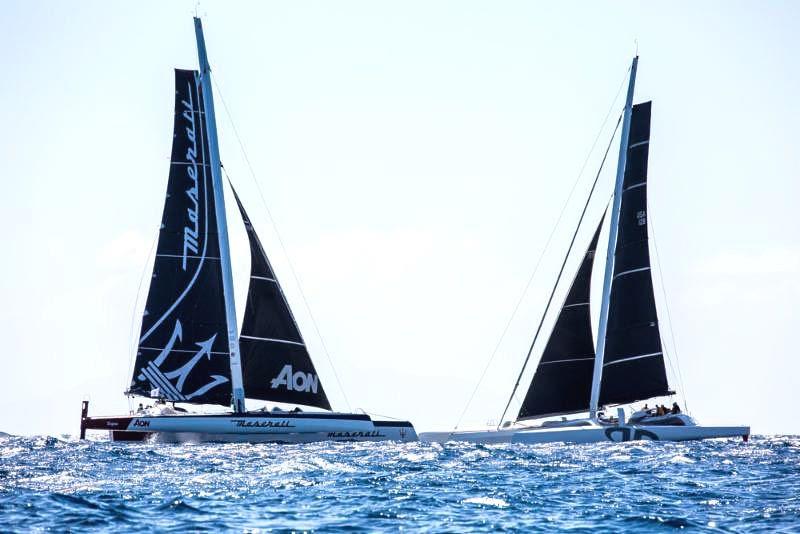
(590, 434)
(250, 427)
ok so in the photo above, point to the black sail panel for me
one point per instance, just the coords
(562, 382)
(276, 365)
(633, 366)
(183, 345)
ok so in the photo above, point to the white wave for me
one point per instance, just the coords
(486, 501)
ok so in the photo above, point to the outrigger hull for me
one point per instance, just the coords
(590, 434)
(249, 427)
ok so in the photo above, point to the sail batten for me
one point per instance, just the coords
(276, 364)
(182, 353)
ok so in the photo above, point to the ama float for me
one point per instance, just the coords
(573, 375)
(190, 349)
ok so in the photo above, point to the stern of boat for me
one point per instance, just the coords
(396, 430)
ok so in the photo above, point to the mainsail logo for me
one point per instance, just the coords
(191, 232)
(163, 380)
(298, 381)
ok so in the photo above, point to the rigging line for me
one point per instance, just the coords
(541, 256)
(280, 241)
(381, 415)
(669, 316)
(136, 305)
(561, 271)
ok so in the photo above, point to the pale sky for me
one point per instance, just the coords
(415, 156)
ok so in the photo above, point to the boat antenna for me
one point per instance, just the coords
(560, 272)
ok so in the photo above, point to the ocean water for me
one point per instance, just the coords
(65, 484)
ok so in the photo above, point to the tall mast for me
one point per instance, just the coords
(612, 245)
(222, 223)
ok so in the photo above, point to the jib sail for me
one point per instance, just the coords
(276, 364)
(562, 382)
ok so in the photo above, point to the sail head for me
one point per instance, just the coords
(633, 364)
(182, 354)
(562, 381)
(275, 361)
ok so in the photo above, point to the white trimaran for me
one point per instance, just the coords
(628, 364)
(190, 350)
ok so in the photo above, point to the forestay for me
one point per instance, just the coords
(183, 346)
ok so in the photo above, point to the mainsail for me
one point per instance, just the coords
(633, 363)
(562, 382)
(183, 346)
(276, 364)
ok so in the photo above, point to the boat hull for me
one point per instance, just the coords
(590, 434)
(251, 427)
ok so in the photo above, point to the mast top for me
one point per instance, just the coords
(201, 46)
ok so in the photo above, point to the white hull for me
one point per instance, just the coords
(590, 433)
(251, 427)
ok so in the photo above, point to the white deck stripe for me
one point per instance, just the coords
(634, 186)
(180, 350)
(640, 143)
(577, 304)
(652, 354)
(272, 339)
(188, 256)
(570, 360)
(623, 273)
(264, 278)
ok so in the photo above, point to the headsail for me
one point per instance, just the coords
(276, 364)
(633, 363)
(183, 346)
(563, 379)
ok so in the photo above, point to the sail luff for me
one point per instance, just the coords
(612, 243)
(222, 226)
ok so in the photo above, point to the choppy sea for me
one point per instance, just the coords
(49, 483)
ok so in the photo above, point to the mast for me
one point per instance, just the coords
(222, 223)
(612, 244)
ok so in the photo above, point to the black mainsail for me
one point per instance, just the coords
(633, 362)
(562, 382)
(183, 347)
(275, 362)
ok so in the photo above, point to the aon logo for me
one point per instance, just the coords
(298, 381)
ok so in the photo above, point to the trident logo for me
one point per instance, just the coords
(163, 380)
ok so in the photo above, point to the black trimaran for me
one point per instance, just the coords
(628, 363)
(190, 350)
